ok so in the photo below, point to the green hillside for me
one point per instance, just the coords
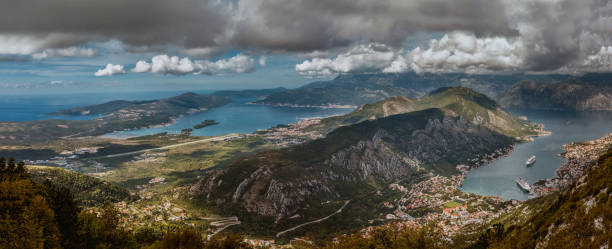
(461, 101)
(88, 191)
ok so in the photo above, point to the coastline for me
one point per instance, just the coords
(500, 153)
(327, 106)
(579, 156)
(172, 121)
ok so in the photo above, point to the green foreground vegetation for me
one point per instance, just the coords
(41, 215)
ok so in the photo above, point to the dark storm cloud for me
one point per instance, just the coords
(306, 25)
(566, 36)
(136, 22)
(295, 25)
(529, 35)
(558, 33)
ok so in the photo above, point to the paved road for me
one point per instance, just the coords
(314, 221)
(221, 223)
(219, 138)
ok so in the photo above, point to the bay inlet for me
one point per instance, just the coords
(498, 177)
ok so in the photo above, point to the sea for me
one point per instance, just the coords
(240, 116)
(496, 178)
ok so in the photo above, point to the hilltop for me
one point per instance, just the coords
(465, 102)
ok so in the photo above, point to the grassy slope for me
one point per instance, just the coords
(462, 101)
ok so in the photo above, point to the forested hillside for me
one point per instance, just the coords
(41, 215)
(88, 191)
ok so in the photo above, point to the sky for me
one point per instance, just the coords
(151, 45)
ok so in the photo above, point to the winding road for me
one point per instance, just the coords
(221, 223)
(314, 221)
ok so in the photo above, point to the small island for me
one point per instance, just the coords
(205, 123)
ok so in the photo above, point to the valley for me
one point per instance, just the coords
(313, 179)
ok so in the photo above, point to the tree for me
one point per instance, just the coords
(26, 220)
(66, 213)
(186, 238)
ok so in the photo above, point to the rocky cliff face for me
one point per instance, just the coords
(348, 161)
(558, 96)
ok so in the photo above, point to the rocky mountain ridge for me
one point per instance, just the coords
(567, 96)
(359, 89)
(465, 102)
(350, 161)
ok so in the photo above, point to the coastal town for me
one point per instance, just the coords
(579, 155)
(439, 199)
(292, 134)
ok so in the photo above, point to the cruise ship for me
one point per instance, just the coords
(523, 184)
(530, 161)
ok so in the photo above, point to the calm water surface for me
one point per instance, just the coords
(497, 178)
(237, 117)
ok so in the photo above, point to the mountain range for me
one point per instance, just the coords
(462, 101)
(355, 161)
(359, 89)
(572, 96)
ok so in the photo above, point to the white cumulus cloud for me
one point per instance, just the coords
(110, 70)
(372, 57)
(460, 51)
(454, 52)
(141, 67)
(174, 65)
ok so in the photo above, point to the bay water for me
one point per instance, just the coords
(498, 178)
